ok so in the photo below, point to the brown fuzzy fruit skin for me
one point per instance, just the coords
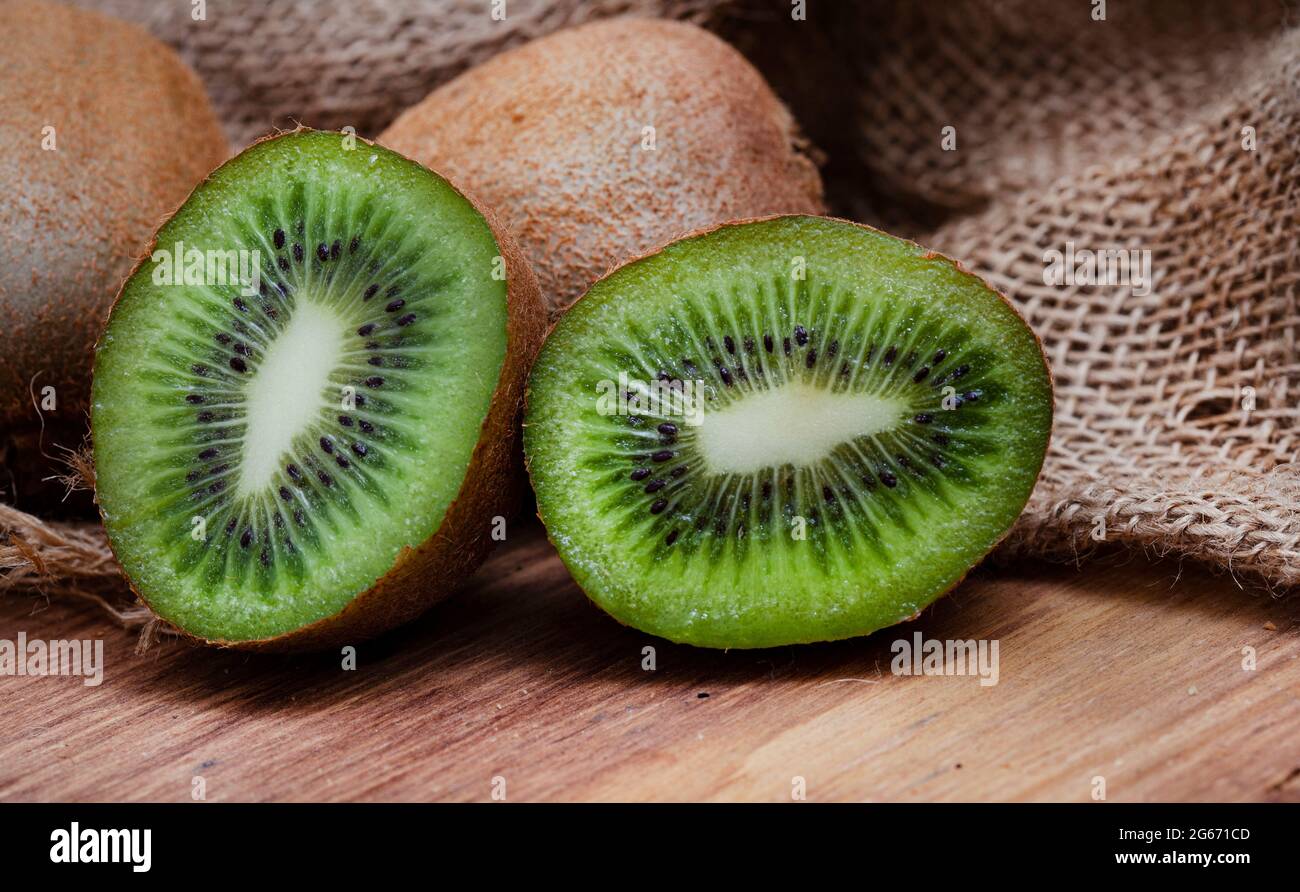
(429, 572)
(133, 132)
(553, 135)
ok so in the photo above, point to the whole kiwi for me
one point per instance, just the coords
(106, 131)
(600, 142)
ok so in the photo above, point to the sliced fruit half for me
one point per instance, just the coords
(304, 398)
(788, 430)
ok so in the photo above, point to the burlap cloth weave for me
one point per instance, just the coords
(1170, 127)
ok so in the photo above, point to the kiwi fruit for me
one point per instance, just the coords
(601, 142)
(106, 131)
(316, 453)
(785, 430)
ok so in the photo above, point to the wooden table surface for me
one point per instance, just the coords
(1127, 671)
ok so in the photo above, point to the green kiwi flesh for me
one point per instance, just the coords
(873, 420)
(262, 459)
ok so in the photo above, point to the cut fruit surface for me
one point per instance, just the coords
(787, 430)
(274, 440)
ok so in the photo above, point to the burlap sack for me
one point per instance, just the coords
(1171, 128)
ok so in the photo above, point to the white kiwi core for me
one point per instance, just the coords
(288, 390)
(793, 424)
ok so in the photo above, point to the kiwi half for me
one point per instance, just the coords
(871, 421)
(322, 458)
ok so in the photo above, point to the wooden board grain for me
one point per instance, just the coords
(1130, 672)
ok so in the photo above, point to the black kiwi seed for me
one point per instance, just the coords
(195, 398)
(658, 506)
(811, 359)
(828, 494)
(366, 329)
(729, 344)
(800, 335)
(890, 354)
(354, 244)
(668, 429)
(294, 472)
(360, 449)
(199, 369)
(279, 238)
(767, 490)
(767, 343)
(326, 445)
(342, 462)
(217, 487)
(655, 485)
(888, 479)
(941, 439)
(960, 371)
(297, 253)
(662, 455)
(923, 418)
(921, 374)
(230, 526)
(283, 263)
(365, 425)
(322, 252)
(785, 345)
(223, 338)
(336, 250)
(671, 537)
(640, 474)
(208, 454)
(938, 357)
(394, 305)
(370, 292)
(678, 471)
(724, 373)
(374, 381)
(376, 360)
(406, 320)
(241, 348)
(971, 396)
(361, 401)
(345, 420)
(285, 494)
(204, 417)
(246, 539)
(325, 479)
(238, 364)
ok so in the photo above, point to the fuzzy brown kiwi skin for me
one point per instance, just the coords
(427, 573)
(540, 133)
(133, 131)
(928, 255)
